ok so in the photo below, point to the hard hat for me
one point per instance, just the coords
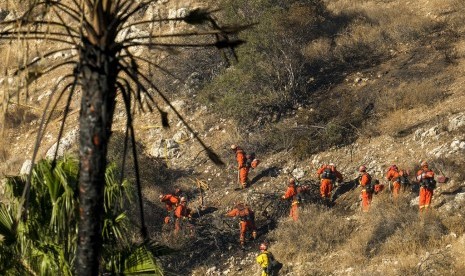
(160, 196)
(233, 147)
(263, 246)
(183, 199)
(362, 168)
(424, 163)
(332, 165)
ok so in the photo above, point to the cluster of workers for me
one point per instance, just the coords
(329, 176)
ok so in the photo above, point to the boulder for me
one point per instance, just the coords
(66, 142)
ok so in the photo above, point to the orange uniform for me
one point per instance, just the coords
(328, 175)
(181, 212)
(367, 195)
(171, 201)
(242, 167)
(393, 175)
(291, 194)
(427, 184)
(247, 220)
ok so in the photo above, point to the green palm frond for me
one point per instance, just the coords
(142, 261)
(7, 226)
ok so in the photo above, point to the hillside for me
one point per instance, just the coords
(375, 83)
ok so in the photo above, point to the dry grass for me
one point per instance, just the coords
(392, 239)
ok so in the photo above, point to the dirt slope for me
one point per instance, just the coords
(404, 137)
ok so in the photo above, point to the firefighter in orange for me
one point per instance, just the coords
(292, 196)
(247, 220)
(171, 201)
(181, 213)
(393, 175)
(367, 191)
(243, 170)
(425, 177)
(328, 175)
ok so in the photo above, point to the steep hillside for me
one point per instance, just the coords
(396, 97)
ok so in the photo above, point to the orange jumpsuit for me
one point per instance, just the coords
(242, 167)
(247, 221)
(326, 185)
(170, 201)
(181, 212)
(393, 175)
(426, 193)
(367, 196)
(291, 194)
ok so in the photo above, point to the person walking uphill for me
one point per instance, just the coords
(171, 202)
(291, 194)
(181, 213)
(247, 221)
(367, 191)
(393, 175)
(267, 262)
(427, 184)
(328, 175)
(243, 170)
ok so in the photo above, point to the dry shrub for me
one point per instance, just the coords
(415, 236)
(454, 224)
(318, 231)
(410, 94)
(319, 48)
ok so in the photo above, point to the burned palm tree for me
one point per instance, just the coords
(104, 67)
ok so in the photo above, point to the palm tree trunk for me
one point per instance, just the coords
(98, 77)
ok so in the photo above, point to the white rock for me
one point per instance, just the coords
(66, 142)
(298, 173)
(26, 167)
(456, 122)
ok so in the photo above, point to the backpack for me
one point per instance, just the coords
(245, 214)
(370, 187)
(251, 161)
(274, 266)
(328, 173)
(429, 183)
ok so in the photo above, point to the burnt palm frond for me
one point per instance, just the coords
(63, 121)
(221, 44)
(53, 68)
(135, 79)
(41, 58)
(124, 88)
(68, 30)
(127, 13)
(129, 125)
(34, 23)
(213, 156)
(33, 38)
(151, 63)
(227, 31)
(38, 35)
